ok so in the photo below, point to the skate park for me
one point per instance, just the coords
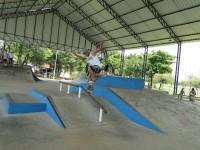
(119, 114)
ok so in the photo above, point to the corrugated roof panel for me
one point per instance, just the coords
(190, 38)
(114, 23)
(91, 8)
(131, 18)
(74, 17)
(39, 25)
(97, 18)
(132, 46)
(141, 27)
(69, 35)
(181, 4)
(2, 25)
(161, 33)
(47, 27)
(160, 42)
(55, 27)
(62, 31)
(196, 26)
(82, 42)
(109, 2)
(76, 39)
(184, 29)
(121, 8)
(175, 19)
(192, 14)
(144, 14)
(21, 9)
(30, 21)
(148, 36)
(131, 39)
(92, 31)
(106, 26)
(83, 24)
(36, 7)
(153, 24)
(102, 37)
(65, 8)
(134, 4)
(166, 7)
(122, 41)
(123, 32)
(6, 11)
(105, 15)
(10, 25)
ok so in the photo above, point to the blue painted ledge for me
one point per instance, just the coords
(120, 82)
(49, 108)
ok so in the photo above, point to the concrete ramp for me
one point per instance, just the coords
(121, 105)
(16, 73)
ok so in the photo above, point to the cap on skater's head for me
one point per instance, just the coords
(86, 52)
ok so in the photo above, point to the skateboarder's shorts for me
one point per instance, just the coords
(96, 69)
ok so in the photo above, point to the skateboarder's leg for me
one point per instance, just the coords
(91, 74)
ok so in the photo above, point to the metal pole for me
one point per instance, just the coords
(79, 92)
(60, 87)
(68, 88)
(144, 67)
(177, 69)
(100, 115)
(122, 63)
(54, 70)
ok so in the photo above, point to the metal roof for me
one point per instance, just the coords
(79, 24)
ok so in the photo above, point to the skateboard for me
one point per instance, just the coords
(90, 87)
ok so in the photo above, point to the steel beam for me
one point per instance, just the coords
(177, 69)
(73, 5)
(23, 14)
(161, 20)
(122, 22)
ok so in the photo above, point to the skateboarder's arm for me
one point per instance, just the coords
(100, 48)
(79, 56)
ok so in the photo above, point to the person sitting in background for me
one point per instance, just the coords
(192, 95)
(180, 95)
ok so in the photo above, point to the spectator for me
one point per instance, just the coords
(10, 58)
(5, 57)
(180, 95)
(192, 95)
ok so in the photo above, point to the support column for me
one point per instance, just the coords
(55, 63)
(177, 69)
(144, 67)
(122, 63)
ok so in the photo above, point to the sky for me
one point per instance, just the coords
(189, 62)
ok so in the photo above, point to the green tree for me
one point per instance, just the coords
(159, 62)
(113, 59)
(163, 79)
(133, 65)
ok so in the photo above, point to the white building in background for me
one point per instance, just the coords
(65, 75)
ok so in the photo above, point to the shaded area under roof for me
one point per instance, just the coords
(122, 24)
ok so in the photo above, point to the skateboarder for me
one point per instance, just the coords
(94, 63)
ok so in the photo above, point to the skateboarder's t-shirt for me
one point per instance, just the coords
(94, 60)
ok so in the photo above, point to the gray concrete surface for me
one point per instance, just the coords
(38, 131)
(16, 73)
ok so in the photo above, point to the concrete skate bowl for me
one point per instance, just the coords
(163, 110)
(15, 73)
